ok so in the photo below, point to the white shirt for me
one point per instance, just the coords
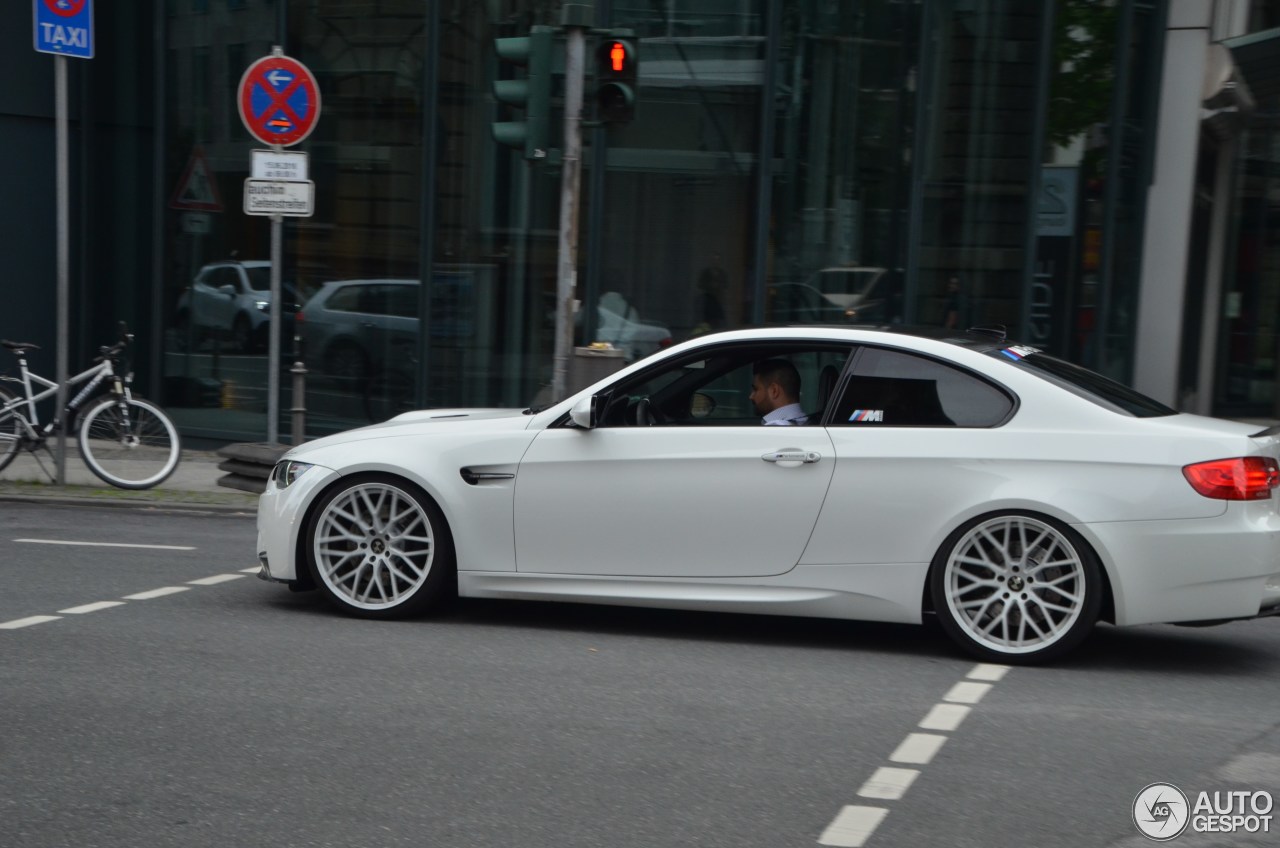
(792, 413)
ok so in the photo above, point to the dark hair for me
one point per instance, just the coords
(779, 371)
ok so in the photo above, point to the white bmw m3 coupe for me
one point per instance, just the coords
(1017, 497)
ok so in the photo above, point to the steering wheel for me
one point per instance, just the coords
(646, 414)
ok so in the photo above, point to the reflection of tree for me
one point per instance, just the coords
(1085, 55)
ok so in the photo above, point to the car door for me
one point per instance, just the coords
(702, 494)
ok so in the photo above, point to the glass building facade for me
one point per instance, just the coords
(954, 162)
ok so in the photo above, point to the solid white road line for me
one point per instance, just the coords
(853, 827)
(987, 671)
(965, 692)
(100, 605)
(888, 784)
(27, 622)
(918, 748)
(215, 579)
(157, 593)
(945, 717)
(105, 544)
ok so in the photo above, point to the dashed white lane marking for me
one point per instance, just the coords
(84, 608)
(157, 593)
(27, 622)
(985, 671)
(105, 544)
(918, 748)
(853, 827)
(215, 579)
(967, 693)
(855, 824)
(253, 570)
(889, 784)
(945, 717)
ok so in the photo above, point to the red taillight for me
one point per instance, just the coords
(1245, 478)
(298, 316)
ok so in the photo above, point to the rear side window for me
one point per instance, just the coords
(889, 388)
(345, 299)
(1087, 384)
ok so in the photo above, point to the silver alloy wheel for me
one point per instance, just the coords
(374, 546)
(1014, 584)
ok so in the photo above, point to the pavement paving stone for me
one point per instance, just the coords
(193, 484)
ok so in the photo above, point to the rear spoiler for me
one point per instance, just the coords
(1262, 434)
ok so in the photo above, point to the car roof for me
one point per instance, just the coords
(980, 339)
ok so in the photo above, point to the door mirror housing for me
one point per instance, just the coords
(586, 413)
(583, 413)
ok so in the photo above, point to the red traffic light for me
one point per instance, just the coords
(616, 59)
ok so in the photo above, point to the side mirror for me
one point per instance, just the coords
(583, 413)
(228, 289)
(701, 405)
(586, 412)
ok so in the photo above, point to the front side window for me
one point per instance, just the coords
(890, 388)
(716, 388)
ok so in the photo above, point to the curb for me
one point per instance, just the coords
(233, 510)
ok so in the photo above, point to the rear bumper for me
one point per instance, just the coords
(1208, 569)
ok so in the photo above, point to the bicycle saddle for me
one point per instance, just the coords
(19, 347)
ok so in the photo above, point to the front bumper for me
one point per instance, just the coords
(281, 516)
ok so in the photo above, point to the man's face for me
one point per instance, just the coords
(764, 396)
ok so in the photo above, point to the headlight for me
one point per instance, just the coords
(263, 305)
(288, 471)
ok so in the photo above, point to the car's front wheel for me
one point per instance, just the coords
(1016, 587)
(379, 547)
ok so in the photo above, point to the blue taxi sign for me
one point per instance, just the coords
(64, 27)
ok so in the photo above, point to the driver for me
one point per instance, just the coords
(775, 393)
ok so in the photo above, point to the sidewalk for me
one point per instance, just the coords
(192, 486)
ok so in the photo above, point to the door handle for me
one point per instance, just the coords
(792, 455)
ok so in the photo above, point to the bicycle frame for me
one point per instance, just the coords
(95, 376)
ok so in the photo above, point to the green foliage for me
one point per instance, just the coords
(1084, 59)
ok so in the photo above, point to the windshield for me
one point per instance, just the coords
(1087, 384)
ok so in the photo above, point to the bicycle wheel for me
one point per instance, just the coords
(136, 457)
(11, 429)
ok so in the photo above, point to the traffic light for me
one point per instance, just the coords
(616, 65)
(532, 94)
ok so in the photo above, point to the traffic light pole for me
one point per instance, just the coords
(570, 181)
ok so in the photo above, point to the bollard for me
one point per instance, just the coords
(299, 408)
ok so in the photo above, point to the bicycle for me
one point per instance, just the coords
(125, 440)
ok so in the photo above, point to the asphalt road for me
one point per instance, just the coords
(234, 713)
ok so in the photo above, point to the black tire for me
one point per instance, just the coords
(140, 458)
(1016, 587)
(378, 547)
(12, 429)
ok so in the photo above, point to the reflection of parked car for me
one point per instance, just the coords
(351, 327)
(797, 303)
(619, 324)
(863, 289)
(233, 300)
(357, 329)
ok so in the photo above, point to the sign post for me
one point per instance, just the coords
(63, 28)
(279, 104)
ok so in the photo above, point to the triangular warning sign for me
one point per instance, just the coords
(196, 189)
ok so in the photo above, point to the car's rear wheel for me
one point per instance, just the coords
(379, 547)
(1016, 587)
